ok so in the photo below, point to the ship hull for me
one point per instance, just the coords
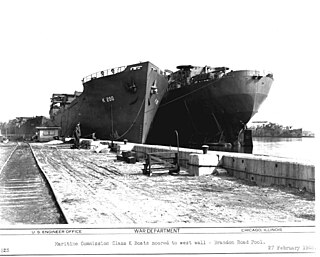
(211, 111)
(116, 107)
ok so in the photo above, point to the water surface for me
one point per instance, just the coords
(301, 149)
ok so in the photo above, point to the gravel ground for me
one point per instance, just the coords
(95, 188)
(5, 151)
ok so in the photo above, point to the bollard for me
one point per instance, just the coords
(125, 141)
(205, 149)
(247, 137)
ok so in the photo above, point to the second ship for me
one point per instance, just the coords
(206, 105)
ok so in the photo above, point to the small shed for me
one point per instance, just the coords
(45, 134)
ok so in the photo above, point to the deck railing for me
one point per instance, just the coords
(103, 73)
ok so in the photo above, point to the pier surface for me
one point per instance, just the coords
(95, 188)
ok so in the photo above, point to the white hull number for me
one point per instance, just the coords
(107, 99)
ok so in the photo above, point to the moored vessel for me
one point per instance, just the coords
(206, 105)
(115, 104)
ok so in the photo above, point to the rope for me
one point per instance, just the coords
(142, 104)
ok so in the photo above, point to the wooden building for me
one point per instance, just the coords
(45, 134)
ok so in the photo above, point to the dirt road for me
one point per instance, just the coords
(94, 188)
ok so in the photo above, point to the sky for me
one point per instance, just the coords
(48, 46)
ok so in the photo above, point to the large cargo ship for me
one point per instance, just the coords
(205, 105)
(115, 104)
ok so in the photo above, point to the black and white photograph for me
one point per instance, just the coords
(158, 127)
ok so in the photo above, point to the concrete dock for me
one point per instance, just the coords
(262, 170)
(95, 188)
